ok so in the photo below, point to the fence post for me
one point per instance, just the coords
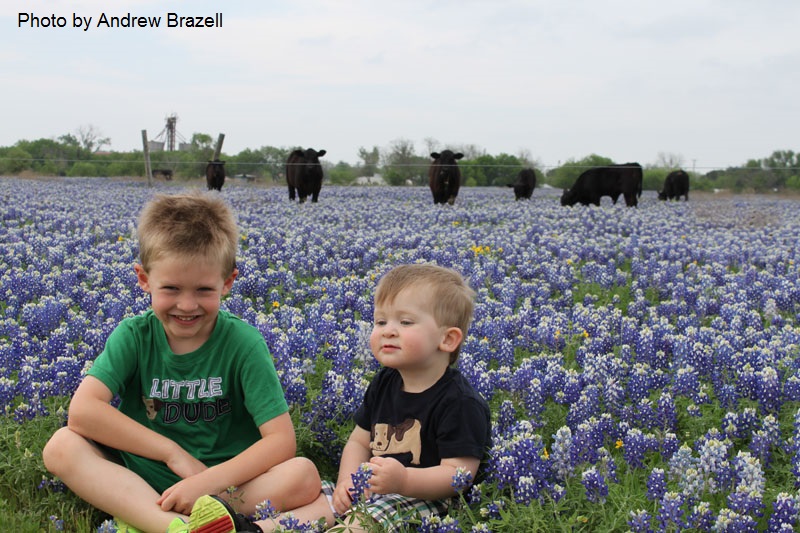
(218, 149)
(147, 169)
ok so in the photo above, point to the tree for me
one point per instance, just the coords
(371, 160)
(564, 176)
(490, 170)
(784, 164)
(669, 160)
(14, 160)
(401, 165)
(342, 173)
(91, 139)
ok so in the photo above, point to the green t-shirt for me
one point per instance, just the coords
(210, 401)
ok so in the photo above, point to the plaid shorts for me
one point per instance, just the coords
(392, 511)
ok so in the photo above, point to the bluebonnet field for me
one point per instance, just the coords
(645, 358)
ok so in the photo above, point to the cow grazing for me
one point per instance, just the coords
(676, 184)
(444, 176)
(215, 174)
(304, 174)
(166, 172)
(611, 180)
(526, 182)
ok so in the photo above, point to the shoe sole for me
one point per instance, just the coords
(210, 516)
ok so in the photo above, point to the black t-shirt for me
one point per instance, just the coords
(450, 419)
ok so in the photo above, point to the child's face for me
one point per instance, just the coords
(405, 334)
(185, 296)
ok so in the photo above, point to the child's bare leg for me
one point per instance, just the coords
(312, 512)
(102, 483)
(288, 485)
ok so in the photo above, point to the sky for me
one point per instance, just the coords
(711, 83)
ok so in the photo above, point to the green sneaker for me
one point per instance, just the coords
(178, 526)
(124, 527)
(211, 514)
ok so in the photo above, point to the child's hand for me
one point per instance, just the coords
(181, 496)
(342, 500)
(388, 476)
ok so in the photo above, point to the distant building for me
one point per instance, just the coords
(377, 179)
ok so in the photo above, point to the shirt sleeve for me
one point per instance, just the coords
(118, 362)
(464, 429)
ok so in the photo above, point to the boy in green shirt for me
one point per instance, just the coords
(201, 406)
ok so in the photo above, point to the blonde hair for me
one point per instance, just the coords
(190, 226)
(450, 299)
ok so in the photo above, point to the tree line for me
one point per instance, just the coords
(80, 154)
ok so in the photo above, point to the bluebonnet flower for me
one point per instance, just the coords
(670, 511)
(635, 445)
(475, 494)
(57, 522)
(360, 479)
(768, 390)
(702, 517)
(666, 417)
(656, 484)
(108, 526)
(669, 445)
(746, 497)
(639, 521)
(462, 480)
(785, 512)
(713, 464)
(557, 492)
(595, 485)
(686, 382)
(561, 454)
(729, 521)
(506, 417)
(265, 510)
(492, 509)
(289, 522)
(606, 464)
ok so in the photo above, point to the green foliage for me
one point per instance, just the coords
(489, 170)
(14, 160)
(29, 496)
(653, 178)
(399, 164)
(342, 174)
(564, 176)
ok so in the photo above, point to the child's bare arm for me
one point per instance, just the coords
(276, 445)
(355, 452)
(432, 483)
(91, 415)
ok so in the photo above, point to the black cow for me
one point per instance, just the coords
(612, 181)
(444, 176)
(215, 174)
(676, 184)
(304, 174)
(526, 182)
(166, 172)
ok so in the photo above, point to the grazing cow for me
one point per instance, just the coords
(444, 176)
(215, 174)
(166, 172)
(676, 184)
(526, 182)
(612, 181)
(304, 174)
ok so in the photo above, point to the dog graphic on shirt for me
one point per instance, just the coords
(388, 439)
